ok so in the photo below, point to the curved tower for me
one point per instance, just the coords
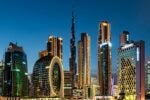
(48, 74)
(48, 77)
(56, 77)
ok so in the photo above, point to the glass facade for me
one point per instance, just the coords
(40, 80)
(68, 84)
(127, 76)
(47, 73)
(15, 72)
(104, 59)
(56, 78)
(72, 59)
(47, 77)
(84, 61)
(131, 71)
(1, 77)
(147, 77)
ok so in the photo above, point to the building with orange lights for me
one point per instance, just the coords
(104, 58)
(131, 70)
(84, 78)
(48, 74)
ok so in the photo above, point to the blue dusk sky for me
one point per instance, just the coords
(30, 22)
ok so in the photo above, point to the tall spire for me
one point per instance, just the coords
(73, 27)
(72, 40)
(72, 60)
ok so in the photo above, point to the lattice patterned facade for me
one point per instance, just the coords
(147, 77)
(131, 71)
(127, 76)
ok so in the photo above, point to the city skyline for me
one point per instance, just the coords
(30, 25)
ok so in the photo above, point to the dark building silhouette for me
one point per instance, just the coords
(104, 59)
(124, 38)
(15, 72)
(1, 76)
(72, 60)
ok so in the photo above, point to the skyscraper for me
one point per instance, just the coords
(54, 47)
(68, 84)
(48, 74)
(124, 38)
(131, 73)
(104, 58)
(1, 76)
(15, 72)
(147, 77)
(84, 60)
(84, 79)
(72, 60)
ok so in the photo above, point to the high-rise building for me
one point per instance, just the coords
(131, 73)
(147, 77)
(48, 74)
(68, 84)
(1, 77)
(30, 85)
(114, 85)
(15, 72)
(104, 58)
(124, 38)
(72, 60)
(84, 61)
(84, 79)
(54, 47)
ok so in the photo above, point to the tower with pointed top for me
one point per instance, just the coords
(72, 60)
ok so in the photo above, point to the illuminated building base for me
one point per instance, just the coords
(42, 99)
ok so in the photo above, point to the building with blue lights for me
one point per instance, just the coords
(104, 59)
